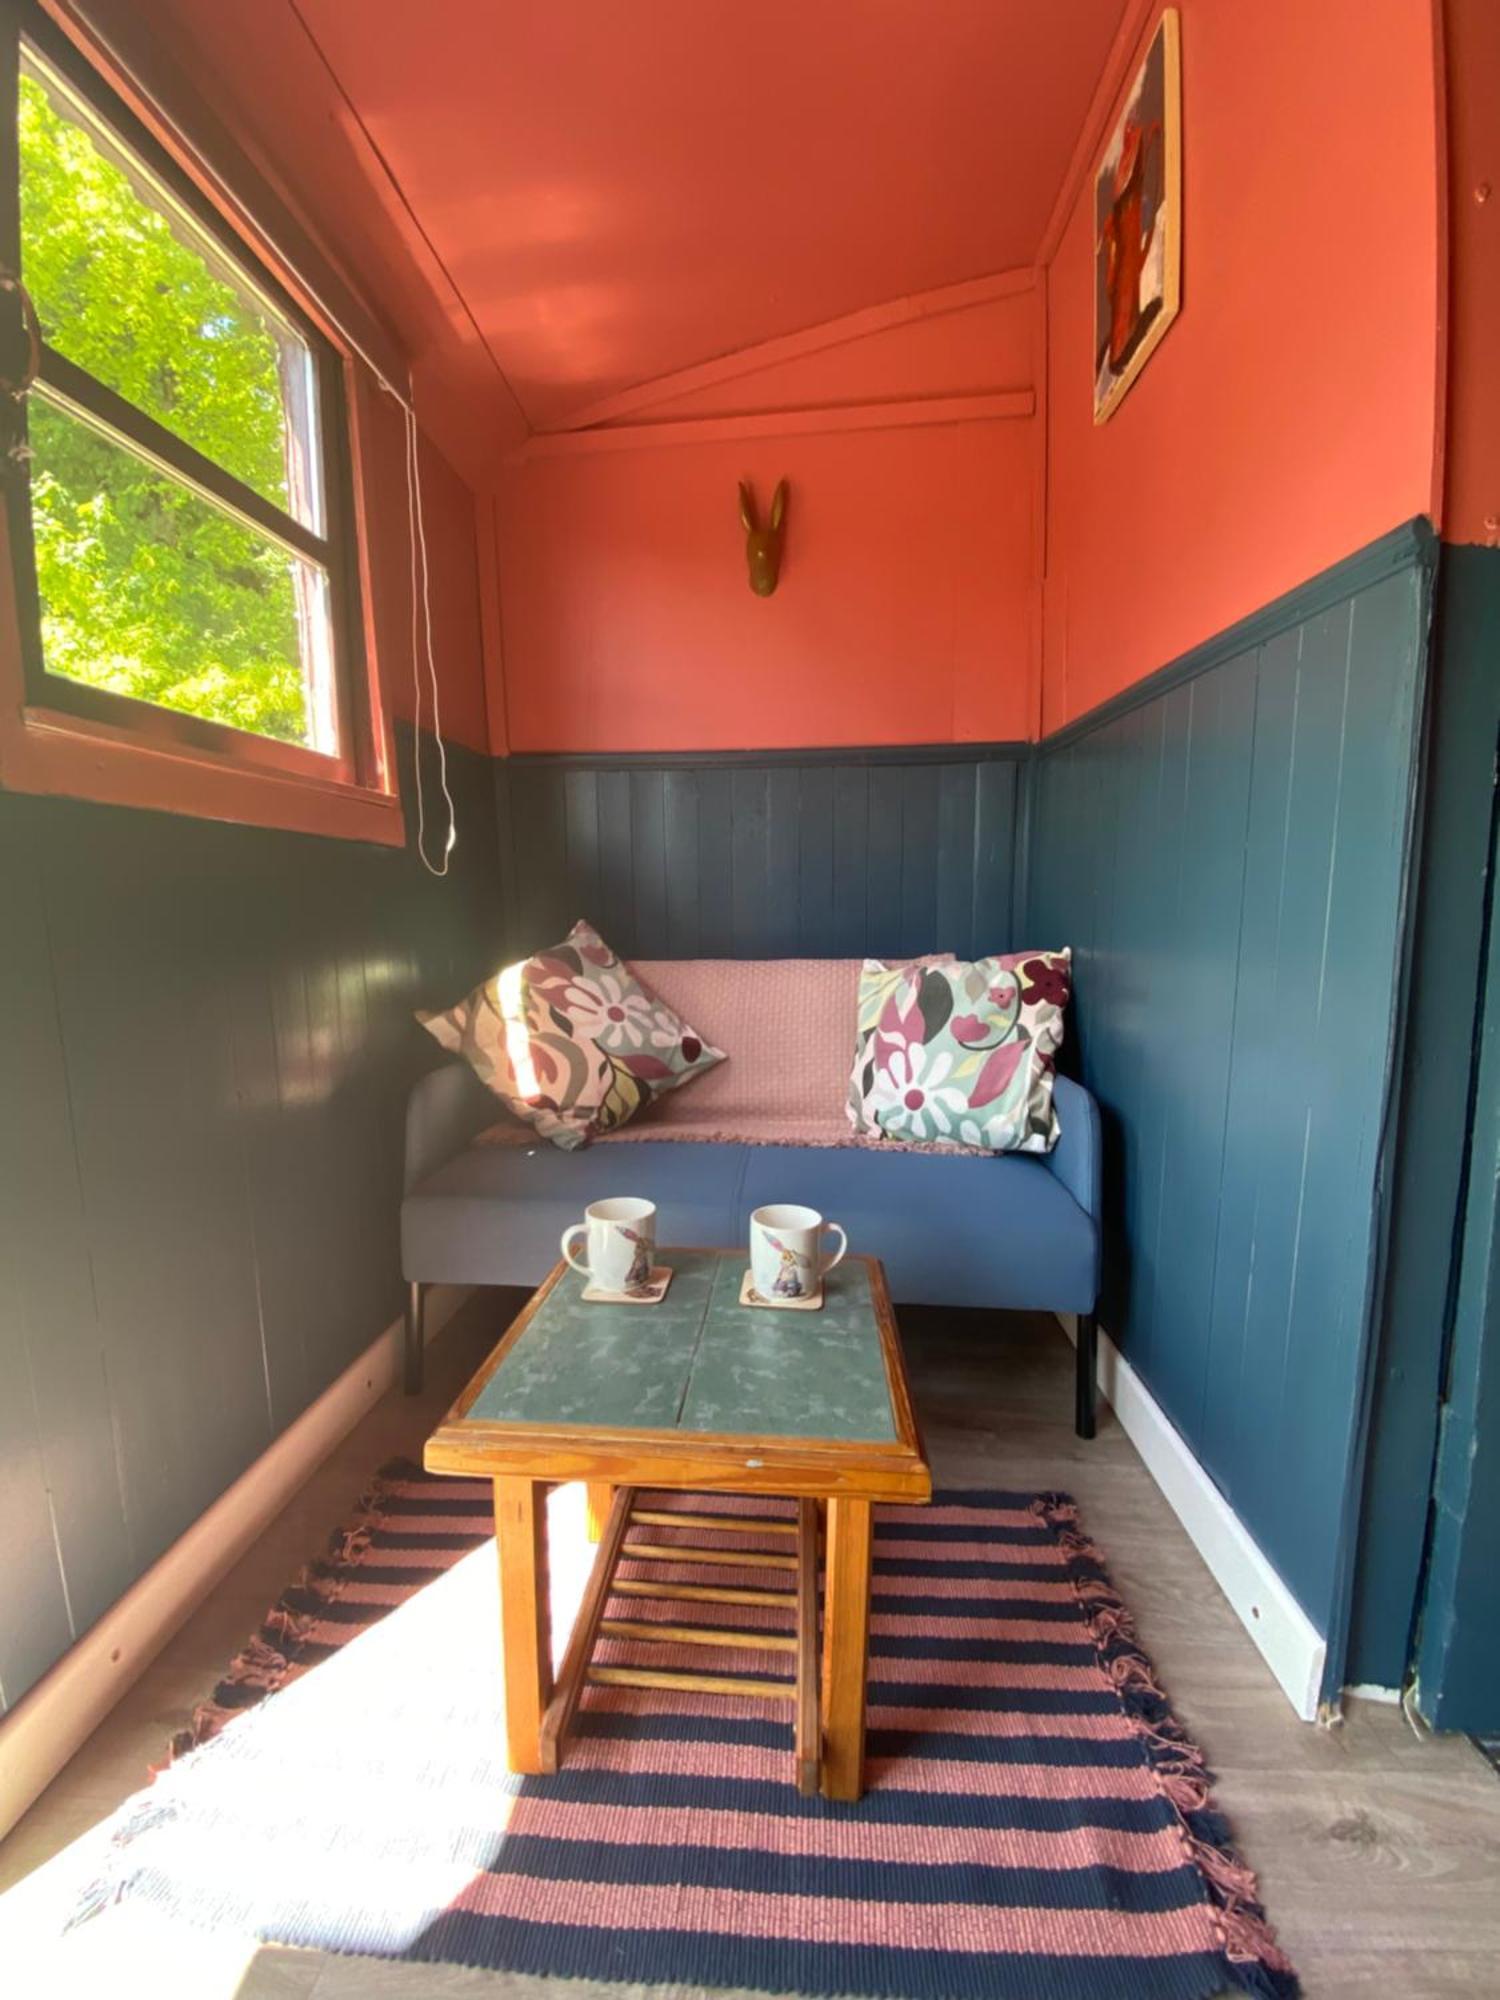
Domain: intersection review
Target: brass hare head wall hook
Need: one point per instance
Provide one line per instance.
(763, 545)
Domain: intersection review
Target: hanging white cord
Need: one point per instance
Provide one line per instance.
(421, 613)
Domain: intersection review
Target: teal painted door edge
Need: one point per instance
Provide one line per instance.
(1426, 1188)
(1457, 1684)
(1395, 1134)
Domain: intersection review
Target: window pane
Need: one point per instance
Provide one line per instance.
(151, 591)
(130, 287)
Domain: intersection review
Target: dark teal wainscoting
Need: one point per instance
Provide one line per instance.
(205, 1047)
(810, 854)
(1226, 850)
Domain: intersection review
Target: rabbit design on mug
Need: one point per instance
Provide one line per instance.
(789, 1283)
(638, 1277)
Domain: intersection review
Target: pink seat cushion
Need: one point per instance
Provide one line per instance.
(787, 1027)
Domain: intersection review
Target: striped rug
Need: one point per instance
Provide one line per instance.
(1036, 1824)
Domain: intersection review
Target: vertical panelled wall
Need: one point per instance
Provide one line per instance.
(800, 855)
(206, 1041)
(1226, 851)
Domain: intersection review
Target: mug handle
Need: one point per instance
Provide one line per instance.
(838, 1255)
(577, 1229)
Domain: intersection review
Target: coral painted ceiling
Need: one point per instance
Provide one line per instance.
(617, 192)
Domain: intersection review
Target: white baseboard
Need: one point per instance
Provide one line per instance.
(56, 1717)
(1286, 1637)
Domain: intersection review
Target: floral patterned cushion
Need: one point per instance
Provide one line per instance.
(571, 1040)
(961, 1054)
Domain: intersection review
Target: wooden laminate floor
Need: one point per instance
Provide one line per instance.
(1378, 1851)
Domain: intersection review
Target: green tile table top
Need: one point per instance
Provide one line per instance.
(700, 1362)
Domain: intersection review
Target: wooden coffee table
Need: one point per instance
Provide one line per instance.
(701, 1393)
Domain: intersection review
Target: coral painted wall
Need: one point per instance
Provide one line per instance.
(905, 608)
(448, 510)
(1290, 414)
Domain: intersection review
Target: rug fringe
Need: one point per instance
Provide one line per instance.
(269, 1659)
(1252, 1956)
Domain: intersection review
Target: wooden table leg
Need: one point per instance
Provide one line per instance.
(573, 1672)
(846, 1642)
(808, 1731)
(525, 1618)
(599, 1501)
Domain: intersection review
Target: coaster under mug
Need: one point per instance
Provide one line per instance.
(811, 1302)
(650, 1294)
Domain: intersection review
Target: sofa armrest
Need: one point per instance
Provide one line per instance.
(1075, 1159)
(447, 1107)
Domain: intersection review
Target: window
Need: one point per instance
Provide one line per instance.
(179, 495)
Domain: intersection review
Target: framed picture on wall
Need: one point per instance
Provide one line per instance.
(1138, 221)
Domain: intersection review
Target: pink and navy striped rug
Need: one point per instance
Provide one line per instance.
(1037, 1825)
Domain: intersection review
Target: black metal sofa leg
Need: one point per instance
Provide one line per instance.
(1088, 1373)
(414, 1353)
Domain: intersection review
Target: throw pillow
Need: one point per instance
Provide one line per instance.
(961, 1054)
(571, 1040)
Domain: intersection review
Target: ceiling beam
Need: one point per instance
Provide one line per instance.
(1005, 405)
(793, 346)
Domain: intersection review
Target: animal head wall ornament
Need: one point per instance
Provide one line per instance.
(763, 545)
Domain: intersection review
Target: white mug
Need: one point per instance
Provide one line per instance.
(786, 1254)
(621, 1242)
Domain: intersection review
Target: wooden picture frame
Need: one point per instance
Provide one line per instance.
(1138, 221)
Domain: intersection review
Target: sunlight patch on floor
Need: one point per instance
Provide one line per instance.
(371, 1834)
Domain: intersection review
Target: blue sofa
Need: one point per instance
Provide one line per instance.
(1018, 1231)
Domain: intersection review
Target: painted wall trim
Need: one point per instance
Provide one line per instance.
(1410, 543)
(53, 1721)
(59, 755)
(814, 756)
(839, 332)
(1284, 1635)
(1003, 406)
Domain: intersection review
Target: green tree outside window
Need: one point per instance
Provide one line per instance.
(147, 589)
